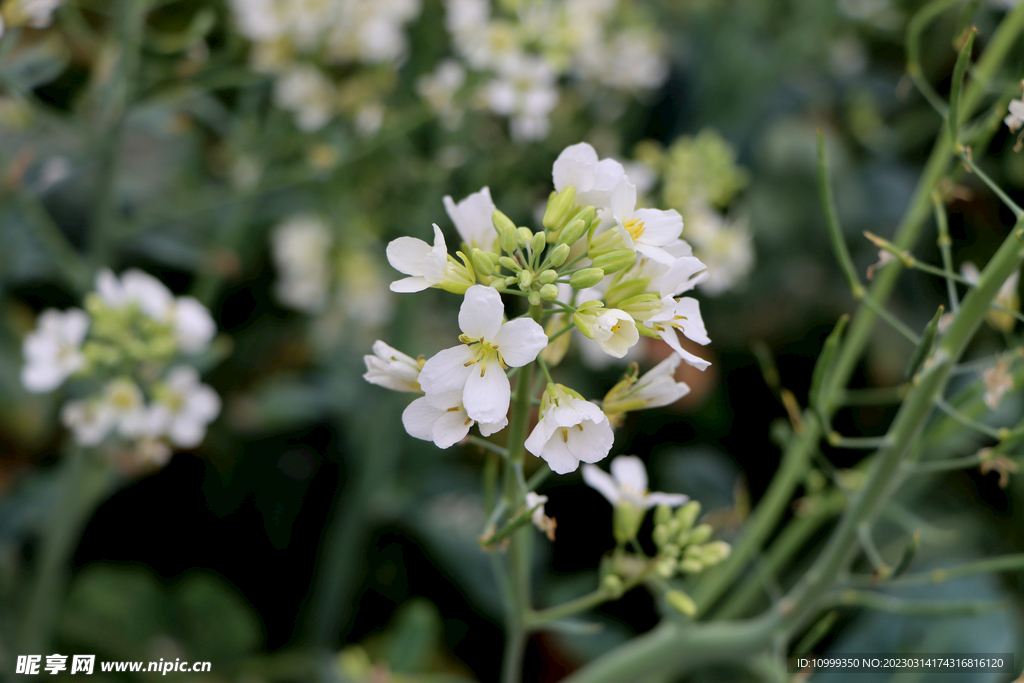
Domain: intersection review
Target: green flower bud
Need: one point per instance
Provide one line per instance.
(662, 514)
(687, 515)
(482, 264)
(546, 277)
(512, 280)
(534, 298)
(714, 552)
(549, 292)
(661, 533)
(681, 602)
(558, 255)
(560, 207)
(588, 216)
(510, 263)
(523, 236)
(499, 284)
(701, 534)
(506, 231)
(671, 550)
(640, 307)
(690, 566)
(538, 243)
(588, 277)
(501, 222)
(572, 232)
(666, 567)
(615, 260)
(612, 584)
(609, 240)
(525, 279)
(626, 521)
(625, 290)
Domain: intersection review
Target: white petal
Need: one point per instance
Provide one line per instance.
(629, 472)
(186, 433)
(472, 218)
(194, 326)
(406, 255)
(572, 411)
(451, 428)
(109, 288)
(488, 428)
(556, 454)
(40, 378)
(593, 442)
(419, 418)
(672, 340)
(538, 438)
(693, 326)
(409, 285)
(671, 499)
(487, 392)
(654, 253)
(577, 166)
(75, 326)
(447, 370)
(680, 276)
(596, 478)
(661, 228)
(519, 341)
(623, 200)
(481, 313)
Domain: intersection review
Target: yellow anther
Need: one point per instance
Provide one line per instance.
(635, 227)
(565, 435)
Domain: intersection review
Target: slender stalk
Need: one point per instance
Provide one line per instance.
(950, 465)
(945, 248)
(1003, 563)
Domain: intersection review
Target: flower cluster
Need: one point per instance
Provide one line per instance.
(300, 43)
(123, 352)
(519, 51)
(32, 13)
(612, 270)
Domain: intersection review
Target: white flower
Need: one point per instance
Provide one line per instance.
(306, 92)
(472, 218)
(656, 388)
(614, 331)
(998, 381)
(683, 315)
(392, 369)
(426, 265)
(594, 180)
(300, 248)
(477, 367)
(121, 406)
(184, 406)
(440, 88)
(646, 231)
(34, 13)
(52, 351)
(539, 519)
(442, 418)
(628, 483)
(525, 90)
(1015, 119)
(571, 430)
(726, 247)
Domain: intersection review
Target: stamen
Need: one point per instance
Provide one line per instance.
(483, 369)
(580, 426)
(565, 435)
(452, 410)
(469, 420)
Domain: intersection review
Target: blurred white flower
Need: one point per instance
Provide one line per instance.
(307, 93)
(726, 247)
(300, 248)
(539, 519)
(628, 483)
(472, 219)
(34, 13)
(477, 366)
(183, 407)
(998, 381)
(571, 430)
(442, 418)
(53, 350)
(524, 90)
(121, 406)
(392, 369)
(440, 88)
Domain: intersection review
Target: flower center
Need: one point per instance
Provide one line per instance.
(635, 228)
(485, 353)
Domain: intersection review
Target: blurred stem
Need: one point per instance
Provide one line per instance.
(84, 481)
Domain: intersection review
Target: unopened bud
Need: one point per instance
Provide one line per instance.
(549, 292)
(559, 254)
(510, 263)
(687, 515)
(523, 236)
(661, 535)
(662, 514)
(587, 215)
(612, 585)
(534, 298)
(588, 277)
(498, 284)
(482, 263)
(572, 233)
(681, 602)
(715, 552)
(546, 277)
(512, 280)
(506, 231)
(701, 534)
(691, 566)
(538, 243)
(671, 550)
(525, 278)
(615, 260)
(667, 567)
(560, 207)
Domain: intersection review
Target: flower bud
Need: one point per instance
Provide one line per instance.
(546, 277)
(572, 232)
(512, 280)
(681, 602)
(588, 277)
(534, 298)
(510, 263)
(612, 584)
(609, 240)
(667, 567)
(482, 264)
(687, 515)
(714, 552)
(525, 279)
(506, 231)
(615, 260)
(641, 307)
(671, 550)
(661, 533)
(626, 521)
(523, 236)
(700, 534)
(558, 255)
(690, 566)
(549, 292)
(538, 243)
(501, 222)
(587, 215)
(560, 207)
(498, 284)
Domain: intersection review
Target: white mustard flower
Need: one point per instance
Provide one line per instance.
(646, 231)
(614, 330)
(442, 418)
(998, 381)
(120, 407)
(308, 94)
(53, 350)
(726, 247)
(184, 406)
(426, 266)
(300, 248)
(524, 90)
(628, 483)
(477, 366)
(440, 88)
(392, 369)
(594, 179)
(656, 388)
(538, 517)
(571, 430)
(683, 315)
(1015, 118)
(472, 219)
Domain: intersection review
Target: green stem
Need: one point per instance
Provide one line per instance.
(1004, 563)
